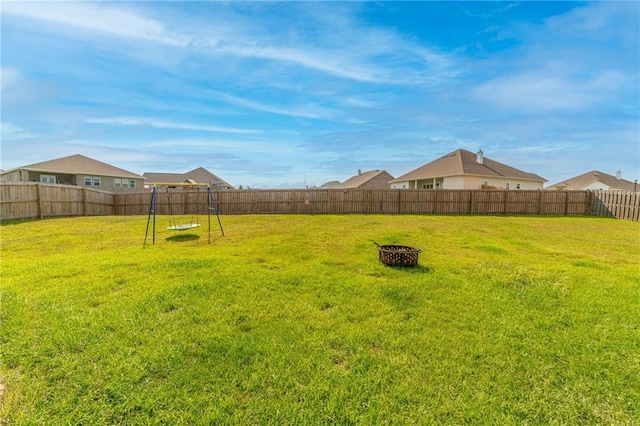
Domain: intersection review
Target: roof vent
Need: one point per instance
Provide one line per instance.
(480, 157)
(619, 174)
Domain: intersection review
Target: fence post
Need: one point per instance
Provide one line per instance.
(506, 201)
(587, 203)
(84, 201)
(39, 201)
(539, 202)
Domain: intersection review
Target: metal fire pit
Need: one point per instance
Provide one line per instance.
(395, 255)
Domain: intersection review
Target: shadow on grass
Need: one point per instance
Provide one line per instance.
(183, 237)
(418, 269)
(7, 222)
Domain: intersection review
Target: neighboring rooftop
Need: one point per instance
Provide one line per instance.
(463, 162)
(592, 179)
(334, 184)
(362, 178)
(199, 175)
(78, 164)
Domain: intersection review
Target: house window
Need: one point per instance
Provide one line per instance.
(91, 181)
(124, 183)
(507, 185)
(47, 179)
(427, 186)
(485, 182)
(517, 186)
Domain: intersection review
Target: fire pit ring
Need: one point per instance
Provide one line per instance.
(396, 255)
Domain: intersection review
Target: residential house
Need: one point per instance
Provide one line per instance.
(199, 176)
(595, 180)
(77, 170)
(462, 169)
(373, 179)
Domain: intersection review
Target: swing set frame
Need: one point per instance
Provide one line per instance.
(211, 206)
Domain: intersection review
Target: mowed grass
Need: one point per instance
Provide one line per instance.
(292, 320)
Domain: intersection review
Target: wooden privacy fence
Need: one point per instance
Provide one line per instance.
(27, 200)
(37, 200)
(338, 201)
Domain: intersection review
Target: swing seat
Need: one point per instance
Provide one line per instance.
(183, 227)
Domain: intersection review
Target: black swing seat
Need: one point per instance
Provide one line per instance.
(183, 227)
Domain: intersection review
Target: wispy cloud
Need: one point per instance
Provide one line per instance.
(11, 132)
(305, 111)
(96, 17)
(163, 124)
(310, 57)
(357, 60)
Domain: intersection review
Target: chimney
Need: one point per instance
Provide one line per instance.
(479, 157)
(359, 172)
(619, 174)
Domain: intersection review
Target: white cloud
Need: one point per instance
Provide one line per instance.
(95, 17)
(163, 124)
(12, 132)
(9, 76)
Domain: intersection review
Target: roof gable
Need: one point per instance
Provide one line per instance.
(361, 178)
(463, 162)
(203, 175)
(79, 164)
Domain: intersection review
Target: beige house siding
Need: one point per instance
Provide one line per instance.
(596, 186)
(108, 183)
(468, 182)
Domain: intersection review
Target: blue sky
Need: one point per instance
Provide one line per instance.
(287, 94)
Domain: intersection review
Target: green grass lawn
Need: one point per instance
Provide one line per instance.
(292, 320)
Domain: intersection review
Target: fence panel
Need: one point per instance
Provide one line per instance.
(26, 200)
(19, 201)
(624, 205)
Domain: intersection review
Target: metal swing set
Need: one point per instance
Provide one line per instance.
(173, 225)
